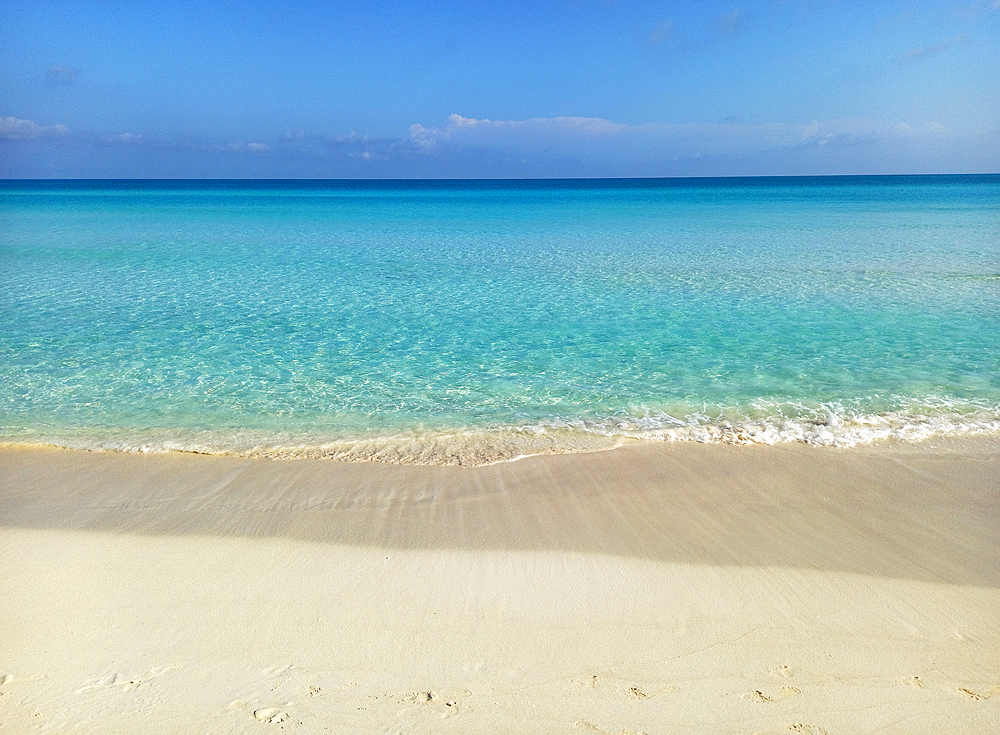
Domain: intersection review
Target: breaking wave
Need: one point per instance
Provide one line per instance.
(829, 425)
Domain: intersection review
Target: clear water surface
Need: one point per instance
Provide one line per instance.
(475, 321)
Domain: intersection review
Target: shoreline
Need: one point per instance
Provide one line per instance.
(496, 444)
(650, 588)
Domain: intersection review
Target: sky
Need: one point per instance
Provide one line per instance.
(507, 89)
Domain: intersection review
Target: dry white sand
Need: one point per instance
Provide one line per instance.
(649, 589)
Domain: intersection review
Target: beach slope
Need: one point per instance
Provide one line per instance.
(648, 589)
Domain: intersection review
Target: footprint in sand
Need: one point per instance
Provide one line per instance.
(102, 683)
(112, 681)
(784, 671)
(759, 696)
(450, 709)
(270, 715)
(584, 725)
(640, 694)
(977, 695)
(913, 681)
(807, 729)
(421, 697)
(447, 708)
(315, 690)
(11, 679)
(631, 691)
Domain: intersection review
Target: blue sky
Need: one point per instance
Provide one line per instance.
(497, 89)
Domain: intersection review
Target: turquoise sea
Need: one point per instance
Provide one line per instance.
(476, 321)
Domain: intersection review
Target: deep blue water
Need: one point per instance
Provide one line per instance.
(469, 321)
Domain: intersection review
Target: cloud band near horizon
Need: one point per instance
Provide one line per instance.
(536, 147)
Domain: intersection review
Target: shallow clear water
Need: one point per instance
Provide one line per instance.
(455, 321)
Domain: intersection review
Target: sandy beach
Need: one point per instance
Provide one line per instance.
(649, 589)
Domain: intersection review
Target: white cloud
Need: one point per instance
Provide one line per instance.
(122, 139)
(353, 138)
(12, 128)
(470, 130)
(247, 147)
(423, 138)
(597, 144)
(472, 147)
(843, 131)
(576, 133)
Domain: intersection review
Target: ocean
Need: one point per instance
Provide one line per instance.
(469, 322)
